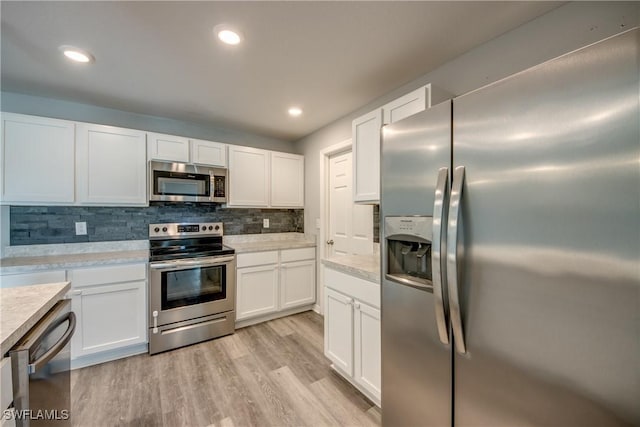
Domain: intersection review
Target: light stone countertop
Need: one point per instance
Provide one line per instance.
(268, 242)
(23, 307)
(51, 262)
(364, 266)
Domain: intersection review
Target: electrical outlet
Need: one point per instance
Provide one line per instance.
(81, 228)
(265, 223)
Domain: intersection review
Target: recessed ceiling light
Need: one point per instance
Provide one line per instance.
(295, 111)
(76, 54)
(228, 35)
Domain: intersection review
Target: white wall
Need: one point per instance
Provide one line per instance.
(562, 30)
(68, 110)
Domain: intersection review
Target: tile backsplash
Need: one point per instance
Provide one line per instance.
(33, 225)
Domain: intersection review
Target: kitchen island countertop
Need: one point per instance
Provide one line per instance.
(23, 307)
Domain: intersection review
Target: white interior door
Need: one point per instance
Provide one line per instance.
(350, 225)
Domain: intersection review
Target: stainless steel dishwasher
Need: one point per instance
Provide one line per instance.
(40, 364)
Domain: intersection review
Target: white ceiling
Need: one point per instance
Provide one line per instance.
(161, 58)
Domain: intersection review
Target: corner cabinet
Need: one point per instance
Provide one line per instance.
(352, 338)
(367, 138)
(37, 160)
(266, 179)
(273, 284)
(110, 303)
(111, 165)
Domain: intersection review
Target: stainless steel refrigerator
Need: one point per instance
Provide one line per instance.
(511, 250)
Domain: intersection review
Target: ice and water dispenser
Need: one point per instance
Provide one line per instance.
(408, 240)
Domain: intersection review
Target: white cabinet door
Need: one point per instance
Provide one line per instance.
(208, 153)
(248, 177)
(297, 283)
(38, 160)
(111, 165)
(257, 291)
(338, 330)
(367, 347)
(109, 317)
(366, 157)
(168, 147)
(407, 105)
(287, 180)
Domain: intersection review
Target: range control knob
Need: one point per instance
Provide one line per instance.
(217, 227)
(164, 229)
(204, 228)
(210, 227)
(157, 229)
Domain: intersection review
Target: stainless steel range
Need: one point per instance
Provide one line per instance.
(192, 285)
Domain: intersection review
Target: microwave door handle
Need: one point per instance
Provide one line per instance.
(438, 273)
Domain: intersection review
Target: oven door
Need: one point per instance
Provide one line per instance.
(190, 288)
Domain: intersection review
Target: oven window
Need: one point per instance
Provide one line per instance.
(193, 286)
(181, 184)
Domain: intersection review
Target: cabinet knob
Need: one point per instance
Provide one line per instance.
(330, 242)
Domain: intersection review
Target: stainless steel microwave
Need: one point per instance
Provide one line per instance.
(185, 182)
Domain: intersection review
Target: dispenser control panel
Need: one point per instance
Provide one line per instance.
(418, 226)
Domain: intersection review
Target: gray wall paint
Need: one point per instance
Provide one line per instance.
(31, 225)
(75, 111)
(560, 31)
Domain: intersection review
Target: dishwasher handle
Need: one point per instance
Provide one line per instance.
(36, 365)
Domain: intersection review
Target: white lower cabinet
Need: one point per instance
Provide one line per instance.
(274, 283)
(110, 304)
(352, 330)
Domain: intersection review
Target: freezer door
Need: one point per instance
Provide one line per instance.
(549, 247)
(416, 365)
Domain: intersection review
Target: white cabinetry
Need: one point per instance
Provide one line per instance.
(262, 178)
(111, 165)
(168, 147)
(110, 304)
(249, 172)
(352, 330)
(257, 284)
(208, 153)
(274, 283)
(287, 180)
(366, 139)
(37, 160)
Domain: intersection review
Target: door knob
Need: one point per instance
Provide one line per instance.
(330, 242)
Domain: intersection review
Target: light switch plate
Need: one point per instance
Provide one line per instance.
(265, 223)
(81, 228)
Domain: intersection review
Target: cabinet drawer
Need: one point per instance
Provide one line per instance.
(36, 278)
(110, 274)
(256, 258)
(365, 291)
(6, 386)
(297, 254)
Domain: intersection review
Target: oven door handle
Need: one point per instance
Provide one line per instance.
(206, 263)
(161, 265)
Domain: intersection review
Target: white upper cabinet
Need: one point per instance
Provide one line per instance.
(262, 178)
(287, 180)
(173, 148)
(168, 147)
(208, 153)
(249, 172)
(406, 105)
(366, 156)
(111, 165)
(366, 138)
(37, 160)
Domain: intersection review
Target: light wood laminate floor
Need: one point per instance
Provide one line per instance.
(271, 374)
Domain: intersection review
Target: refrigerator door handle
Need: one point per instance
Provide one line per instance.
(452, 258)
(439, 205)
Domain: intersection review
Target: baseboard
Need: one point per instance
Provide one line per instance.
(255, 320)
(108, 356)
(316, 308)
